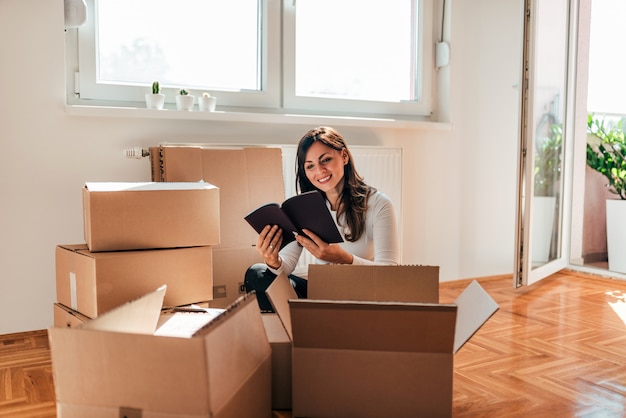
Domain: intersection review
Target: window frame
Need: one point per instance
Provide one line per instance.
(277, 67)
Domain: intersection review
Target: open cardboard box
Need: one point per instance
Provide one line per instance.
(130, 216)
(115, 365)
(372, 358)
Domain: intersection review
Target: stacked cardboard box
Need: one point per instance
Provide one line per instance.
(247, 177)
(139, 236)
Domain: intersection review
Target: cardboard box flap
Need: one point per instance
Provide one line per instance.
(475, 307)
(139, 316)
(373, 326)
(236, 337)
(407, 283)
(279, 293)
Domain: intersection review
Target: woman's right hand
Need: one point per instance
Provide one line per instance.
(268, 244)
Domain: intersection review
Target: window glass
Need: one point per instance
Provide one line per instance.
(356, 49)
(191, 43)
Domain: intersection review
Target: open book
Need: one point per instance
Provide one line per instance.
(304, 211)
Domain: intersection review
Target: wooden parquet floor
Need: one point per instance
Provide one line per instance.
(553, 349)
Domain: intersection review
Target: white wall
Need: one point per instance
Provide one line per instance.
(459, 185)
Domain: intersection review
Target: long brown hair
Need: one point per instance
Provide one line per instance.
(353, 200)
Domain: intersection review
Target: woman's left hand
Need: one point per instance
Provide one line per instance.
(321, 250)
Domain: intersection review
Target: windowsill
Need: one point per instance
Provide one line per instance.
(254, 117)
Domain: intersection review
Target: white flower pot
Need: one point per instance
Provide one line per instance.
(184, 102)
(155, 101)
(207, 104)
(616, 234)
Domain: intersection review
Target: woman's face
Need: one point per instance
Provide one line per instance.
(324, 167)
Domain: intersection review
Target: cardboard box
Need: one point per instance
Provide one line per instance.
(374, 283)
(115, 366)
(247, 178)
(95, 282)
(67, 317)
(129, 216)
(373, 359)
(229, 267)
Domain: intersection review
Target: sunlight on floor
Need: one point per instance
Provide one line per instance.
(619, 306)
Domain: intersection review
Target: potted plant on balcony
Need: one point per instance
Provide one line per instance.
(184, 100)
(155, 100)
(547, 180)
(606, 154)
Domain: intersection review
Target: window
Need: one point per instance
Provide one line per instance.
(336, 57)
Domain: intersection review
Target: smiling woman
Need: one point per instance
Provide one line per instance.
(364, 216)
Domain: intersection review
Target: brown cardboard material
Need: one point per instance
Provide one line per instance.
(372, 358)
(281, 361)
(229, 267)
(375, 283)
(67, 317)
(247, 178)
(95, 282)
(129, 216)
(221, 371)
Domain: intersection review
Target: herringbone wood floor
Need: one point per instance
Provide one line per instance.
(554, 349)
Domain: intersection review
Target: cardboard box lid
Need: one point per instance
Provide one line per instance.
(407, 283)
(95, 187)
(426, 327)
(223, 370)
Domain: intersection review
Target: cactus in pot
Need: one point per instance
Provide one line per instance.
(184, 100)
(155, 100)
(206, 102)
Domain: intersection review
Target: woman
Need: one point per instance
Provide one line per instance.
(365, 217)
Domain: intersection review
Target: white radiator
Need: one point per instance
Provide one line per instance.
(381, 167)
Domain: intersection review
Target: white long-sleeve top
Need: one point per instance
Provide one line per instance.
(377, 245)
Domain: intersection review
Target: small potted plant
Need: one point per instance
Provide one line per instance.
(184, 101)
(155, 100)
(206, 103)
